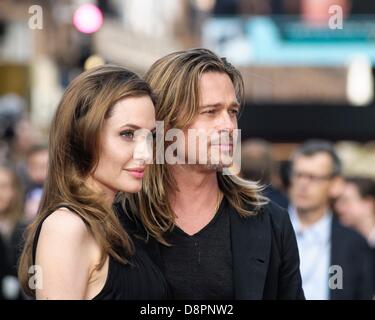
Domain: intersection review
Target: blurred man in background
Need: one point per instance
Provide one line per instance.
(322, 241)
(36, 167)
(356, 208)
(258, 165)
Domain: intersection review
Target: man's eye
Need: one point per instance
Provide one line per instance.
(151, 136)
(234, 111)
(209, 111)
(128, 134)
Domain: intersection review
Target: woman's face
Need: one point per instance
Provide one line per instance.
(7, 191)
(126, 146)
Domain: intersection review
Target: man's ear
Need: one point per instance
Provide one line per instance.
(337, 187)
(369, 202)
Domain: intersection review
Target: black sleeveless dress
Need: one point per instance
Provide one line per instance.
(140, 279)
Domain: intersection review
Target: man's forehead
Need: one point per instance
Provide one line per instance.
(316, 160)
(213, 81)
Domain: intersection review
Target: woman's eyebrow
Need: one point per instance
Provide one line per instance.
(136, 127)
(132, 126)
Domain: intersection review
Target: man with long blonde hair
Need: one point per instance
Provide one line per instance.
(218, 237)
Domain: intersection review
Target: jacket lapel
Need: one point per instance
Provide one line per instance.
(251, 244)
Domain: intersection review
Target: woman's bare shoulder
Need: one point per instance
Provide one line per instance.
(64, 222)
(66, 254)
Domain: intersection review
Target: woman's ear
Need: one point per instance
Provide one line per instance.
(369, 204)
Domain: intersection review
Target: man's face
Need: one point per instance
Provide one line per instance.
(216, 120)
(311, 181)
(37, 166)
(351, 207)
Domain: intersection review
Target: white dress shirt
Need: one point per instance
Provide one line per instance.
(314, 245)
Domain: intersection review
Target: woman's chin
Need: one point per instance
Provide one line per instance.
(132, 188)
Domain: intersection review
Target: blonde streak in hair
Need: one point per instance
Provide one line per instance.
(156, 193)
(241, 193)
(167, 91)
(171, 102)
(155, 214)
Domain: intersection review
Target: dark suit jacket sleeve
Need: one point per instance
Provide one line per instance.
(365, 275)
(290, 283)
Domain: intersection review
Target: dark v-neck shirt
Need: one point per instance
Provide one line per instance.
(200, 266)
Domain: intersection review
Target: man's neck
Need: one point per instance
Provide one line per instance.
(197, 198)
(309, 217)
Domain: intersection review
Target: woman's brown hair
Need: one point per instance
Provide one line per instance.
(74, 148)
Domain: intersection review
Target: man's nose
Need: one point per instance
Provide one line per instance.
(301, 182)
(226, 121)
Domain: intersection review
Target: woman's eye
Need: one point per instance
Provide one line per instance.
(128, 134)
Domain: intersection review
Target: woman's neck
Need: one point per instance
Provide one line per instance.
(108, 195)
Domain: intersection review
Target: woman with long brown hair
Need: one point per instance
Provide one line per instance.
(76, 247)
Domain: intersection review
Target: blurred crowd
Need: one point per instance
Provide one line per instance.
(23, 169)
(333, 215)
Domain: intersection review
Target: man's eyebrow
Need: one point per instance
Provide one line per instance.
(219, 104)
(235, 104)
(212, 105)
